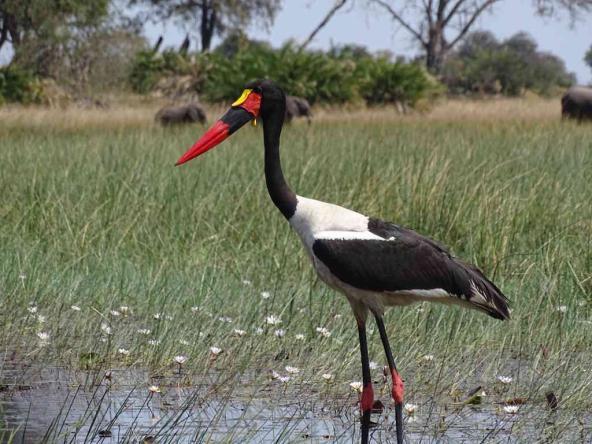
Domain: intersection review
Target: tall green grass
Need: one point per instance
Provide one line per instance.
(101, 219)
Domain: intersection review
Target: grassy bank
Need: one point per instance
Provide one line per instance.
(95, 216)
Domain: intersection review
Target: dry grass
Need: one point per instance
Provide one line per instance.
(140, 113)
(457, 110)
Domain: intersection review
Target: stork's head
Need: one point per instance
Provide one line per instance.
(259, 99)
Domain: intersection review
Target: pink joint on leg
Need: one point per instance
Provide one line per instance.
(398, 388)
(367, 398)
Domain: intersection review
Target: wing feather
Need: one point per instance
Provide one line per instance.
(399, 259)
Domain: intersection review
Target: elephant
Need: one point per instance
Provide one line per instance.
(172, 115)
(576, 103)
(297, 107)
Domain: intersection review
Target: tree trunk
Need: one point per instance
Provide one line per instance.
(208, 24)
(3, 36)
(435, 48)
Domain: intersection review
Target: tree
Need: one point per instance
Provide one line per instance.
(213, 16)
(433, 19)
(430, 22)
(77, 43)
(439, 25)
(483, 65)
(21, 20)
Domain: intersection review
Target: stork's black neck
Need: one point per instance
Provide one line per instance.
(279, 191)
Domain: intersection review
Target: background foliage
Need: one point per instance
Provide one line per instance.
(76, 50)
(484, 65)
(337, 76)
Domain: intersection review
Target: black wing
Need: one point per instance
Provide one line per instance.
(406, 260)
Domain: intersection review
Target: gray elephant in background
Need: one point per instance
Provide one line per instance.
(172, 115)
(297, 107)
(576, 103)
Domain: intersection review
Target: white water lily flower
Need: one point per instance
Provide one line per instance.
(124, 310)
(356, 386)
(327, 377)
(41, 319)
(504, 379)
(32, 309)
(280, 333)
(75, 308)
(115, 313)
(427, 358)
(258, 331)
(323, 332)
(511, 409)
(215, 350)
(194, 309)
(284, 379)
(561, 308)
(158, 316)
(153, 342)
(373, 365)
(105, 328)
(144, 331)
(238, 332)
(273, 320)
(410, 408)
(300, 337)
(154, 389)
(123, 351)
(265, 295)
(293, 370)
(44, 336)
(180, 359)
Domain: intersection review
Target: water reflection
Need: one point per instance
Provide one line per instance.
(57, 405)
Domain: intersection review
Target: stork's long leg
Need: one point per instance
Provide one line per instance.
(367, 392)
(397, 390)
(361, 313)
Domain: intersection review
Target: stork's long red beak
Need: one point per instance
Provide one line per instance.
(245, 109)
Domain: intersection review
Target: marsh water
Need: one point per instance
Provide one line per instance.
(52, 404)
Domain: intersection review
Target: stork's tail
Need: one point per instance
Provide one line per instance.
(485, 296)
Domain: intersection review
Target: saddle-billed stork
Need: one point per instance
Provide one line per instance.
(374, 263)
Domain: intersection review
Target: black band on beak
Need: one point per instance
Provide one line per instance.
(235, 118)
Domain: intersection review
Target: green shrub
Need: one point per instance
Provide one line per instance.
(17, 85)
(384, 82)
(333, 77)
(146, 70)
(312, 75)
